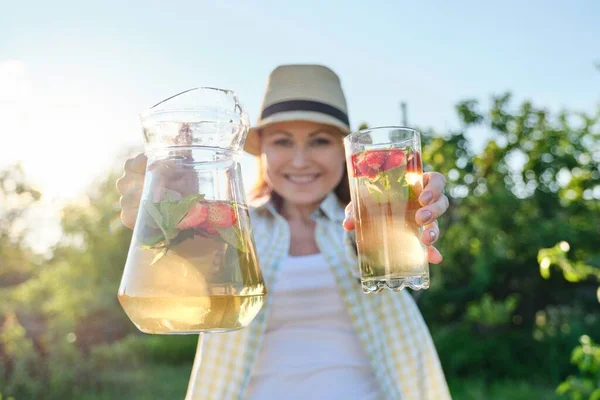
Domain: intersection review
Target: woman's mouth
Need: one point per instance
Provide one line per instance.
(301, 179)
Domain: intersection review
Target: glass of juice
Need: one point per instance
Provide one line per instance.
(386, 179)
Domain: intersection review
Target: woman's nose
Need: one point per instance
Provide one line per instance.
(300, 158)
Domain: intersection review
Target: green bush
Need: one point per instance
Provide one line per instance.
(473, 389)
(138, 349)
(585, 385)
(21, 361)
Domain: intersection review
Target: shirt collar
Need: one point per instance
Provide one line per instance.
(330, 207)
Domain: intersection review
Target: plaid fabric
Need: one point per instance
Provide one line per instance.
(389, 324)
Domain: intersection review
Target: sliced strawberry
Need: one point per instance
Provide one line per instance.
(395, 159)
(359, 166)
(375, 159)
(372, 174)
(207, 227)
(194, 217)
(365, 170)
(356, 160)
(221, 215)
(414, 163)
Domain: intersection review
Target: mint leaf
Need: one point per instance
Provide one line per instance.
(388, 186)
(149, 220)
(182, 236)
(154, 213)
(232, 261)
(232, 237)
(159, 255)
(152, 241)
(373, 187)
(173, 211)
(166, 215)
(157, 217)
(378, 194)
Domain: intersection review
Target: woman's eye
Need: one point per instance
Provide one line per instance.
(321, 142)
(283, 142)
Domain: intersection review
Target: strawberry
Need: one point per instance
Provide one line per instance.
(395, 159)
(207, 227)
(364, 169)
(356, 160)
(375, 159)
(359, 165)
(368, 163)
(194, 217)
(221, 215)
(414, 163)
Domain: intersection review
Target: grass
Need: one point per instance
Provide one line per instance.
(502, 390)
(170, 382)
(152, 382)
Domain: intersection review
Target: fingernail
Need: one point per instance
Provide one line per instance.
(424, 216)
(432, 236)
(426, 197)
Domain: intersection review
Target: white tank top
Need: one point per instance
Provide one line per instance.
(310, 349)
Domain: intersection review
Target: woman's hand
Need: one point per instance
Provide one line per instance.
(434, 203)
(130, 187)
(170, 176)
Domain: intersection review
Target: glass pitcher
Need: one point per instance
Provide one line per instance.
(192, 264)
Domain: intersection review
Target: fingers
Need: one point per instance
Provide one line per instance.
(434, 256)
(433, 189)
(434, 203)
(173, 175)
(431, 233)
(129, 182)
(349, 218)
(130, 187)
(430, 213)
(137, 165)
(128, 217)
(131, 198)
(130, 203)
(133, 174)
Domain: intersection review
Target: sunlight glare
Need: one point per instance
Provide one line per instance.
(413, 177)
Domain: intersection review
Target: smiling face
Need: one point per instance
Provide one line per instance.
(304, 160)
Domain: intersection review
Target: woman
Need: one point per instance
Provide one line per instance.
(319, 336)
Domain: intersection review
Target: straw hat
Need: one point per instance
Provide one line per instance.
(301, 92)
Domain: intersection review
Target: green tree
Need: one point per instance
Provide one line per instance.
(16, 198)
(63, 331)
(57, 309)
(17, 353)
(586, 356)
(535, 183)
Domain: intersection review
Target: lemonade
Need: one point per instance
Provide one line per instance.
(192, 268)
(385, 185)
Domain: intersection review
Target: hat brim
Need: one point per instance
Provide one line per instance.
(252, 144)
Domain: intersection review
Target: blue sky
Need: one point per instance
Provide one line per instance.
(74, 75)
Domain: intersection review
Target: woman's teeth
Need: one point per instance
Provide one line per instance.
(301, 178)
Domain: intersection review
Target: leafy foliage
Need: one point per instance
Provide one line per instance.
(535, 182)
(586, 385)
(61, 322)
(586, 356)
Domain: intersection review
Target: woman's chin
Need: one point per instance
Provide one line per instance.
(300, 198)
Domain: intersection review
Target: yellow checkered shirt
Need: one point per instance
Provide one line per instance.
(389, 324)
